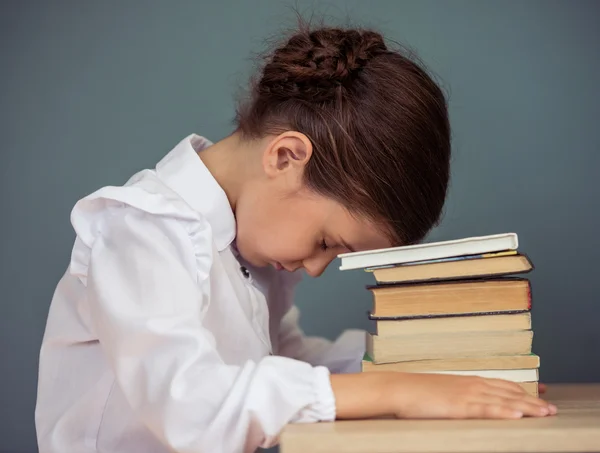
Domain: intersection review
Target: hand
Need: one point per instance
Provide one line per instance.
(451, 396)
(423, 395)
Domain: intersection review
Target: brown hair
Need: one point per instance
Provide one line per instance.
(377, 121)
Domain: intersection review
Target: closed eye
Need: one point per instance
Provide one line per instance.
(323, 245)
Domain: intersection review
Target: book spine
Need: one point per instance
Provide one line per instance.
(445, 315)
(472, 278)
(461, 281)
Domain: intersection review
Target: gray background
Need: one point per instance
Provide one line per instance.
(91, 92)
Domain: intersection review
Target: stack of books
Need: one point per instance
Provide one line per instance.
(452, 307)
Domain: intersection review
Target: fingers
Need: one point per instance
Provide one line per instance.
(509, 394)
(512, 398)
(493, 411)
(528, 405)
(506, 409)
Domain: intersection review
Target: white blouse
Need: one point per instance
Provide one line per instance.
(160, 338)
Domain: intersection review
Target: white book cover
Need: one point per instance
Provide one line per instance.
(527, 375)
(476, 245)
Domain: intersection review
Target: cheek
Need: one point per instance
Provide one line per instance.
(291, 248)
(274, 229)
(297, 229)
(286, 239)
(265, 233)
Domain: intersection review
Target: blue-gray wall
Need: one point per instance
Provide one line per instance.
(90, 92)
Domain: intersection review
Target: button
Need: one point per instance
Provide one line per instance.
(245, 272)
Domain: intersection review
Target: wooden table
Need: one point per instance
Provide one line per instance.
(576, 428)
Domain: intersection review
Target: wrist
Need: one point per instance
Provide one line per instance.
(363, 395)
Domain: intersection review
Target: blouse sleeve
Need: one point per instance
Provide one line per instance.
(344, 355)
(148, 287)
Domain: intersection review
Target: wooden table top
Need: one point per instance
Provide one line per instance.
(576, 428)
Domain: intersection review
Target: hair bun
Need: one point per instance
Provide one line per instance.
(312, 63)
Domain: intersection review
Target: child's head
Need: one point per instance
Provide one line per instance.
(354, 142)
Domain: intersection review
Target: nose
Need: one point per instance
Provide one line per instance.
(293, 267)
(315, 267)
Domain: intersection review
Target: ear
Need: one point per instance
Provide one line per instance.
(288, 153)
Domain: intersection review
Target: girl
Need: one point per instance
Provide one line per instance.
(174, 329)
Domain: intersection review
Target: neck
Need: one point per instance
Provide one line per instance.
(229, 161)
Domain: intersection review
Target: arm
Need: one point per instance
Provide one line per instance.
(147, 300)
(426, 396)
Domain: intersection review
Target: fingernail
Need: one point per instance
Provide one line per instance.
(553, 409)
(518, 414)
(544, 410)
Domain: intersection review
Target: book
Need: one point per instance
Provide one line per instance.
(455, 307)
(481, 266)
(499, 362)
(439, 324)
(456, 297)
(428, 251)
(448, 345)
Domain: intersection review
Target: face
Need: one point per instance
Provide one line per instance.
(283, 224)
